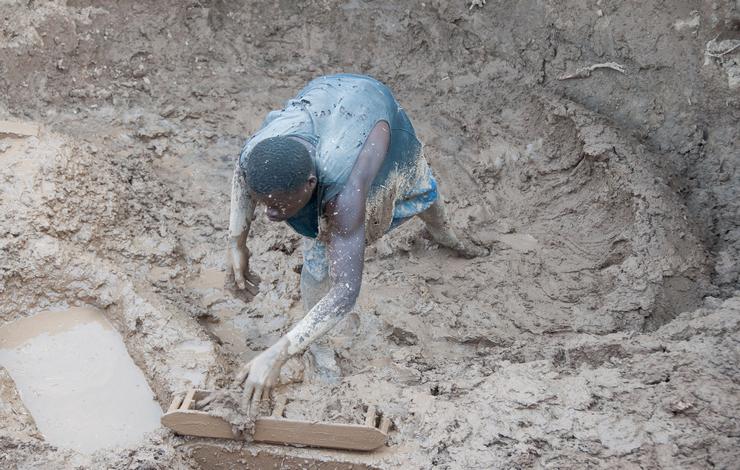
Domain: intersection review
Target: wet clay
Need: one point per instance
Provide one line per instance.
(601, 331)
(209, 279)
(228, 404)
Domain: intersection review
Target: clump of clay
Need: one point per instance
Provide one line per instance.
(227, 404)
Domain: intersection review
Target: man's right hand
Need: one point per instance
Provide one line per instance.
(239, 257)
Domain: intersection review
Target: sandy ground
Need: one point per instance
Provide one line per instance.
(602, 331)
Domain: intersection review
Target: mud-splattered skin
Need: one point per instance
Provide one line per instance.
(345, 233)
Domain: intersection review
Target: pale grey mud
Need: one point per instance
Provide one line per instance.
(74, 375)
(601, 332)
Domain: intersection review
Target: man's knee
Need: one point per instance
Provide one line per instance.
(312, 288)
(315, 273)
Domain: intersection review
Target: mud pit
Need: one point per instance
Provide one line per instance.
(602, 331)
(75, 377)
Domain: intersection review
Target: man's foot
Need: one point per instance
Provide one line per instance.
(448, 239)
(440, 229)
(469, 250)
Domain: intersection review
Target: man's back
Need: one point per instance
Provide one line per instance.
(336, 114)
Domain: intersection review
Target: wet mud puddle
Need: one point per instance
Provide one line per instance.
(76, 378)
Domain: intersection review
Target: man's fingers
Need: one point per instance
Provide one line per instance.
(238, 264)
(256, 398)
(252, 284)
(243, 373)
(266, 393)
(209, 398)
(238, 276)
(247, 396)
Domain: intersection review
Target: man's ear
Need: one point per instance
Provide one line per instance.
(313, 181)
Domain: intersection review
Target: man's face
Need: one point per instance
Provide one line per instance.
(280, 206)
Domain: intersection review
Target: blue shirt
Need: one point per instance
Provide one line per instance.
(336, 114)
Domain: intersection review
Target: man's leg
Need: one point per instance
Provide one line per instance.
(440, 228)
(312, 290)
(423, 199)
(315, 284)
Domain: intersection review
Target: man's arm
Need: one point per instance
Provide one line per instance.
(346, 247)
(240, 219)
(346, 217)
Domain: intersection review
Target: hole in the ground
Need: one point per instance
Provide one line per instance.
(75, 377)
(678, 294)
(213, 457)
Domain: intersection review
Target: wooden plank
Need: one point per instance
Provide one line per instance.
(279, 431)
(176, 401)
(280, 404)
(188, 400)
(20, 129)
(328, 435)
(370, 418)
(385, 425)
(197, 423)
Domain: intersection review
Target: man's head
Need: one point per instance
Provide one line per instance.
(281, 175)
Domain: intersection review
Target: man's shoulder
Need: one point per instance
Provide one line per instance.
(347, 88)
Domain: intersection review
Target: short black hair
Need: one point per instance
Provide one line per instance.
(276, 164)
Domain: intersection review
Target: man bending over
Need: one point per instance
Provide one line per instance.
(342, 166)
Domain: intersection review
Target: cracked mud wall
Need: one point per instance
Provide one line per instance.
(682, 107)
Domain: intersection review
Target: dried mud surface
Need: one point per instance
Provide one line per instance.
(603, 329)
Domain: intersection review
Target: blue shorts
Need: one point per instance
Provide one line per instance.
(413, 202)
